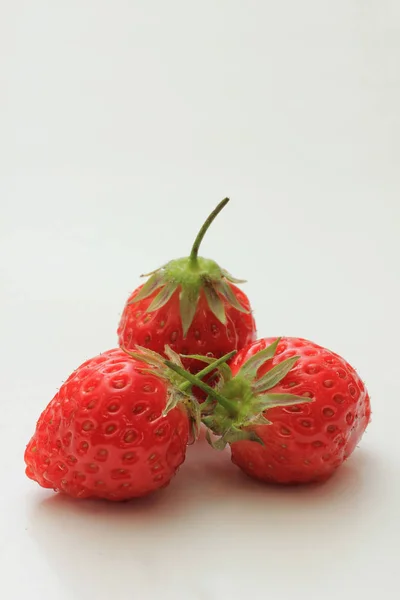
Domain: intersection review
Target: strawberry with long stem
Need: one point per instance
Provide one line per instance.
(190, 304)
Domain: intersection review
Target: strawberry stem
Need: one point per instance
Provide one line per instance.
(208, 369)
(227, 404)
(195, 248)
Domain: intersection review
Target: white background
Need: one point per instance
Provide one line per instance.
(122, 124)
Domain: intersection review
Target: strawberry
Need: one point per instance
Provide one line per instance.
(192, 305)
(116, 429)
(291, 410)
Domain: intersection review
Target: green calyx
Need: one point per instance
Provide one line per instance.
(239, 404)
(191, 276)
(179, 388)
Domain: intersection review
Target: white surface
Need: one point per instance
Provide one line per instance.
(122, 124)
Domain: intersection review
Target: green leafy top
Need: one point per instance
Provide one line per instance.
(190, 276)
(239, 403)
(179, 388)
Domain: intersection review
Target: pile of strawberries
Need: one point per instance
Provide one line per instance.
(118, 428)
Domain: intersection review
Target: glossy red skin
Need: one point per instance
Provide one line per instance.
(103, 436)
(206, 335)
(306, 442)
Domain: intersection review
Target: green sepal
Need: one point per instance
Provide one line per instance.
(275, 375)
(194, 411)
(250, 368)
(208, 418)
(174, 399)
(172, 355)
(156, 281)
(230, 277)
(162, 297)
(146, 355)
(257, 420)
(214, 302)
(152, 272)
(188, 300)
(227, 292)
(157, 373)
(207, 409)
(268, 401)
(231, 436)
(234, 434)
(216, 443)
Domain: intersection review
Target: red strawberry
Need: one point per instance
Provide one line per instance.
(299, 443)
(104, 433)
(190, 304)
